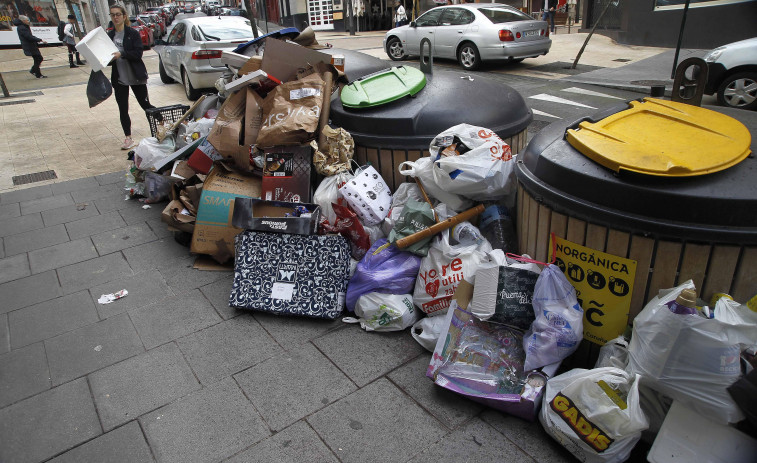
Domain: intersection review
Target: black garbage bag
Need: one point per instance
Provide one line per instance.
(98, 88)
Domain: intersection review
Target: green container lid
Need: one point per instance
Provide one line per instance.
(383, 87)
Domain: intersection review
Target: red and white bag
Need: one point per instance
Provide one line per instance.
(442, 270)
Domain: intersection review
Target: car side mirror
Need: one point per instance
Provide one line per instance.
(412, 24)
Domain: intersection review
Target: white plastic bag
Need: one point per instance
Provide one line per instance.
(613, 354)
(384, 312)
(368, 195)
(483, 169)
(403, 193)
(422, 170)
(151, 154)
(558, 327)
(690, 358)
(442, 270)
(594, 414)
(426, 331)
(200, 127)
(328, 193)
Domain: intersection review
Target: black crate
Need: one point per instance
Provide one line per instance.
(170, 114)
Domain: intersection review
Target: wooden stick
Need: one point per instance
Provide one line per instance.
(439, 227)
(181, 119)
(425, 197)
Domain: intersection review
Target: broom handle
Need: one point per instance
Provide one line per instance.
(439, 227)
(425, 197)
(186, 114)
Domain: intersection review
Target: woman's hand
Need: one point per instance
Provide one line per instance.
(116, 55)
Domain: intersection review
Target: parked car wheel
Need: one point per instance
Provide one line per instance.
(468, 57)
(190, 91)
(395, 50)
(163, 76)
(739, 91)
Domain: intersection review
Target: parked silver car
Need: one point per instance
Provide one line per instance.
(471, 34)
(733, 74)
(192, 53)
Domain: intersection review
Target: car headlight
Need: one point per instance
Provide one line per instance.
(713, 56)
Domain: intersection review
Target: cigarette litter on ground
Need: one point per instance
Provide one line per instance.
(108, 298)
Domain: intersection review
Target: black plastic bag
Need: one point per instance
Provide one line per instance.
(98, 88)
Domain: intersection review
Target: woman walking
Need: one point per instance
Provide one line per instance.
(70, 40)
(29, 44)
(128, 69)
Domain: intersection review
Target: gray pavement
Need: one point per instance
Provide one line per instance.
(170, 373)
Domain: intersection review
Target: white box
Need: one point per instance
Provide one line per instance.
(247, 79)
(97, 49)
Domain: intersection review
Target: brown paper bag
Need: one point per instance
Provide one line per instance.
(291, 112)
(227, 135)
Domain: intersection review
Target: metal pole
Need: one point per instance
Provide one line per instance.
(6, 94)
(680, 38)
(253, 22)
(586, 42)
(351, 17)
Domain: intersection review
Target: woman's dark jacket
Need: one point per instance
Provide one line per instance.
(28, 41)
(132, 53)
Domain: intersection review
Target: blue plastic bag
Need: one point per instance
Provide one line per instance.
(383, 269)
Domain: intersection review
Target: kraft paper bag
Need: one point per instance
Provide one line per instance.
(291, 112)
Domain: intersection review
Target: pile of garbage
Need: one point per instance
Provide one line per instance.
(263, 183)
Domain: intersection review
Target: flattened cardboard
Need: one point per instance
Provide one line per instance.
(181, 170)
(464, 294)
(227, 134)
(173, 217)
(214, 233)
(282, 59)
(270, 216)
(253, 64)
(286, 176)
(208, 264)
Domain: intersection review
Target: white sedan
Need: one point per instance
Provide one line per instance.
(472, 33)
(192, 53)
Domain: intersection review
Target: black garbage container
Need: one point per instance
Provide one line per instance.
(356, 64)
(701, 227)
(402, 130)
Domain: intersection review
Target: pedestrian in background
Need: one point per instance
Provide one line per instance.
(29, 43)
(400, 17)
(70, 40)
(128, 69)
(549, 13)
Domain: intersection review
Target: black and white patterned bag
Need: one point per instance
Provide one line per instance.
(291, 274)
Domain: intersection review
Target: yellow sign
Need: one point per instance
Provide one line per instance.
(604, 284)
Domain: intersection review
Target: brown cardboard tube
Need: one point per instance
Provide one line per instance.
(328, 80)
(439, 227)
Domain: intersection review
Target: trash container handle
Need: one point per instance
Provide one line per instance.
(427, 62)
(596, 117)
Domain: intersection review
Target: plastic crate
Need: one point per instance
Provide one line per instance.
(170, 114)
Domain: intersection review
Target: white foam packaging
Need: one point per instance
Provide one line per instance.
(97, 48)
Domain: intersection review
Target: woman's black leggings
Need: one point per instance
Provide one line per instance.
(122, 98)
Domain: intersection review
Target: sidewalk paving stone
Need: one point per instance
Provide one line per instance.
(45, 204)
(291, 332)
(61, 255)
(115, 202)
(159, 228)
(227, 348)
(490, 446)
(35, 239)
(69, 419)
(446, 406)
(51, 318)
(529, 436)
(173, 318)
(126, 390)
(13, 268)
(94, 225)
(27, 194)
(21, 224)
(291, 386)
(124, 444)
(74, 185)
(374, 354)
(28, 291)
(93, 272)
(114, 177)
(92, 347)
(161, 254)
(366, 425)
(137, 215)
(183, 277)
(218, 295)
(23, 373)
(208, 425)
(296, 444)
(144, 288)
(71, 213)
(98, 192)
(8, 211)
(122, 238)
(5, 339)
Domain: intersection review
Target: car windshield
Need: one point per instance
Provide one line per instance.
(504, 15)
(225, 30)
(146, 19)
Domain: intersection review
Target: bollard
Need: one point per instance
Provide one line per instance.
(658, 91)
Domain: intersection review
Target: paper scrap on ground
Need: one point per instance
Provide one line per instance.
(146, 206)
(108, 298)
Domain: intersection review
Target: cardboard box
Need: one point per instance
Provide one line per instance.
(282, 59)
(214, 233)
(254, 79)
(97, 48)
(237, 126)
(286, 176)
(201, 161)
(253, 64)
(178, 217)
(271, 216)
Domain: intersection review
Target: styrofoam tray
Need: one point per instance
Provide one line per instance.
(97, 49)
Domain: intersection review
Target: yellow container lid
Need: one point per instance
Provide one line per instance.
(663, 138)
